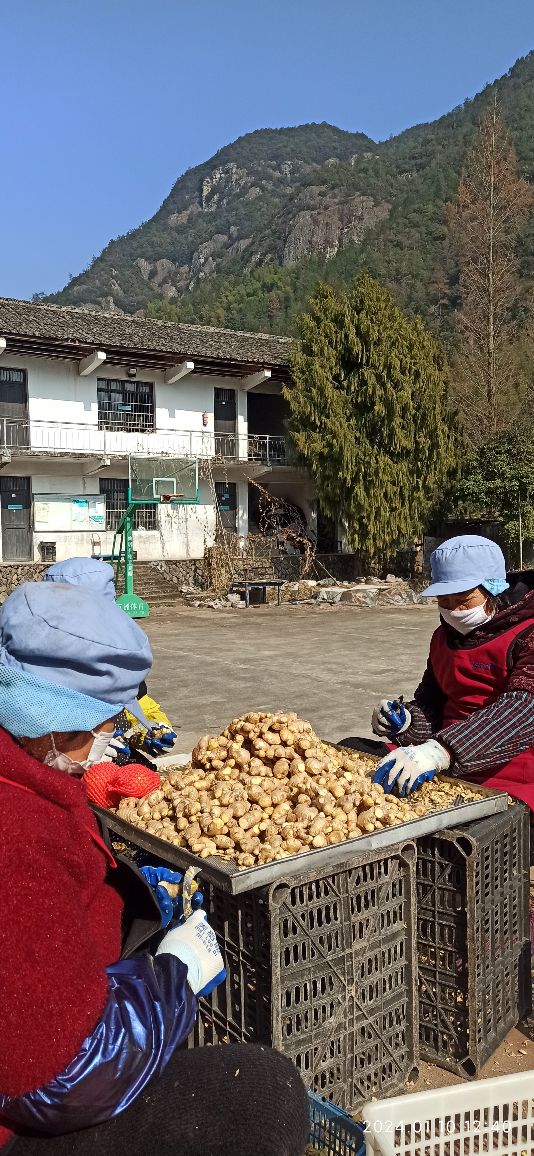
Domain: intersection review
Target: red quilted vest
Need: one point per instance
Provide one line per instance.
(59, 920)
(473, 679)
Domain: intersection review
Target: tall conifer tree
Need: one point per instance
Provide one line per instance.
(369, 415)
(491, 209)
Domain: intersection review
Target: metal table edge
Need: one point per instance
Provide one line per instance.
(331, 856)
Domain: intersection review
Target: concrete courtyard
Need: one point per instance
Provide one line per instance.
(331, 664)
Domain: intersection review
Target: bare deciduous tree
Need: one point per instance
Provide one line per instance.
(492, 206)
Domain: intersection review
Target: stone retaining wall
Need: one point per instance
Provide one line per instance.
(186, 572)
(15, 573)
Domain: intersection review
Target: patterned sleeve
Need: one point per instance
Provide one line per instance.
(489, 738)
(521, 676)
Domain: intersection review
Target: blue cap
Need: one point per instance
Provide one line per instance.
(97, 576)
(465, 562)
(69, 659)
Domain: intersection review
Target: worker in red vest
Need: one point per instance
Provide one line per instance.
(96, 993)
(472, 714)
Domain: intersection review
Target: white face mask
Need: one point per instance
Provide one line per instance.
(62, 762)
(466, 620)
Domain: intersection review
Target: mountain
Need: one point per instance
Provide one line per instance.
(242, 238)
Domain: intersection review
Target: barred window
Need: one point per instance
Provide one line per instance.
(13, 376)
(116, 492)
(125, 405)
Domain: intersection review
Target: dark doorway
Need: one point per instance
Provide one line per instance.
(224, 415)
(226, 495)
(254, 516)
(16, 499)
(327, 534)
(14, 430)
(224, 411)
(267, 413)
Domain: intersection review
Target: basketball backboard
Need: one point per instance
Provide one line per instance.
(163, 479)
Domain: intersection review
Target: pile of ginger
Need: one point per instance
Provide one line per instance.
(268, 788)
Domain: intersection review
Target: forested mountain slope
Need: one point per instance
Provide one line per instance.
(241, 239)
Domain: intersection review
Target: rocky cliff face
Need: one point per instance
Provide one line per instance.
(232, 215)
(277, 197)
(328, 223)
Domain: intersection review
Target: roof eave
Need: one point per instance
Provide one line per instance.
(148, 359)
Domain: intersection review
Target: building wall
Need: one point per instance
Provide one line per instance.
(67, 506)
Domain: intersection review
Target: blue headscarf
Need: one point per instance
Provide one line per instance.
(69, 659)
(97, 576)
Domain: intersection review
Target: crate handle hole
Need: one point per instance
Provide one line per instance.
(469, 1068)
(279, 894)
(464, 844)
(412, 1076)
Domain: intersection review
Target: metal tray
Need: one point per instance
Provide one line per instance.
(227, 875)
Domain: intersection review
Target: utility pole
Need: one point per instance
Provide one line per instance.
(520, 531)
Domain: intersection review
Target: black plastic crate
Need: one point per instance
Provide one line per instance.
(473, 938)
(322, 966)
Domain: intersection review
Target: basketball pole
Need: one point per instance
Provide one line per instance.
(128, 551)
(132, 605)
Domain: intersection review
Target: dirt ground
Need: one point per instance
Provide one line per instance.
(329, 663)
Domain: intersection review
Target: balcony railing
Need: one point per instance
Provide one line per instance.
(14, 432)
(70, 438)
(268, 448)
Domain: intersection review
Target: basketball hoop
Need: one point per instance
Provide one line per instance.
(163, 479)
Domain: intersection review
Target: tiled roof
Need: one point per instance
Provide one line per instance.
(46, 325)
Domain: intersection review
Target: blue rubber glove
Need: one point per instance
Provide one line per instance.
(390, 718)
(169, 908)
(158, 744)
(195, 943)
(117, 745)
(408, 768)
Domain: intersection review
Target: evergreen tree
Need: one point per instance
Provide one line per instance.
(498, 482)
(369, 414)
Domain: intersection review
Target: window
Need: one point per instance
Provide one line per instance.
(116, 492)
(125, 405)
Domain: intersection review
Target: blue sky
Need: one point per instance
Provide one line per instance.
(103, 103)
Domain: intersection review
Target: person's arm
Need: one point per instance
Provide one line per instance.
(489, 738)
(105, 1030)
(53, 983)
(150, 1009)
(426, 709)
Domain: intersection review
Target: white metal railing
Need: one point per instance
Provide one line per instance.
(269, 448)
(69, 437)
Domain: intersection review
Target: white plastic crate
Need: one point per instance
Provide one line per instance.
(486, 1116)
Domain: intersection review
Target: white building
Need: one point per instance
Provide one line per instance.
(81, 390)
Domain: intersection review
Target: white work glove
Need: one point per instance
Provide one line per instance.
(390, 718)
(195, 943)
(408, 767)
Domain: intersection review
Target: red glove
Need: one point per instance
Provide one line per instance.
(107, 784)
